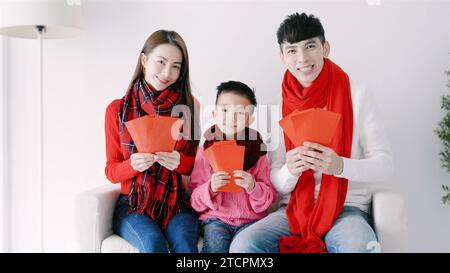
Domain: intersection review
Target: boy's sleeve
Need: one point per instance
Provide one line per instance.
(263, 194)
(202, 197)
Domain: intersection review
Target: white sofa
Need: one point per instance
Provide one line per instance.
(94, 213)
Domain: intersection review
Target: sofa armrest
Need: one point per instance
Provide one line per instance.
(389, 219)
(94, 213)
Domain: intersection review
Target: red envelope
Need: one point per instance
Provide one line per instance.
(313, 125)
(226, 156)
(154, 133)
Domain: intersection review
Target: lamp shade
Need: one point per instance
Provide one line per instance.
(20, 18)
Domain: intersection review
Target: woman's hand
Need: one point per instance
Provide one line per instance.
(247, 182)
(142, 161)
(218, 180)
(295, 162)
(170, 161)
(322, 159)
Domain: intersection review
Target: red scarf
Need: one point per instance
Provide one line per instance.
(158, 192)
(309, 220)
(251, 139)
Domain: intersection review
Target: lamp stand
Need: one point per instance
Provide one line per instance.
(41, 29)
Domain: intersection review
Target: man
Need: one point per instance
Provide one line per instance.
(326, 191)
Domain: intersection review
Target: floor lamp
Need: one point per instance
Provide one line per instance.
(50, 19)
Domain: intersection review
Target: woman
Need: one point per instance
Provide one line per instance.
(153, 212)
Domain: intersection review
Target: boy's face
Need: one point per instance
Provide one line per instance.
(305, 59)
(232, 114)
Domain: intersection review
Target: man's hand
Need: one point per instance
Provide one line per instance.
(322, 159)
(295, 162)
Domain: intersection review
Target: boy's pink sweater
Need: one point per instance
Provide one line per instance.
(231, 208)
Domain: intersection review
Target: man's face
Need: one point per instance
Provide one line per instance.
(305, 59)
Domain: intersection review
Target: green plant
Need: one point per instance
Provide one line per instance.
(443, 132)
(446, 198)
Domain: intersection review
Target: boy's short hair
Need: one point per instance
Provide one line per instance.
(298, 27)
(237, 88)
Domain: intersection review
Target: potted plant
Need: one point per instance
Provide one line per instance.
(443, 132)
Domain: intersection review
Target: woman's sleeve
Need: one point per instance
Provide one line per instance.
(186, 164)
(187, 153)
(117, 168)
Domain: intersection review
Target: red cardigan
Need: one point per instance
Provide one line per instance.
(118, 169)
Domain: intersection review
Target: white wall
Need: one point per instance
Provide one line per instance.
(4, 207)
(398, 49)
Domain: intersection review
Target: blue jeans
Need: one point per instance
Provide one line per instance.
(144, 233)
(351, 232)
(219, 235)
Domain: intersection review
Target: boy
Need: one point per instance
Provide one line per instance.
(225, 214)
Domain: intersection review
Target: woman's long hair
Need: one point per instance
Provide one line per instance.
(173, 38)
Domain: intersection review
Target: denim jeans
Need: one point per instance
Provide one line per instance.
(219, 235)
(141, 231)
(351, 232)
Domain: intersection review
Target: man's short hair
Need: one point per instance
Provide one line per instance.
(298, 27)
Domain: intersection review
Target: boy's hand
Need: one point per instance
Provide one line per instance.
(247, 182)
(218, 180)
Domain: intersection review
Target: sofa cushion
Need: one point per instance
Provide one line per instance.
(116, 244)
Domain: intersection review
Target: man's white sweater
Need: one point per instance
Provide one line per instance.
(371, 156)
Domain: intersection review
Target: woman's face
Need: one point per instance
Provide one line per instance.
(162, 66)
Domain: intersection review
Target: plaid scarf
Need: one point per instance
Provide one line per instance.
(251, 139)
(158, 192)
